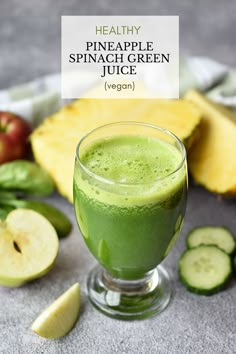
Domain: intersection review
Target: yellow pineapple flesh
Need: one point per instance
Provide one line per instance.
(54, 142)
(212, 160)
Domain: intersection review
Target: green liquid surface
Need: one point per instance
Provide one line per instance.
(131, 213)
(131, 159)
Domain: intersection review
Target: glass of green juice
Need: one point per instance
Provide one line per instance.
(130, 191)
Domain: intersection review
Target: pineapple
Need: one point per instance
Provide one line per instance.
(54, 142)
(212, 161)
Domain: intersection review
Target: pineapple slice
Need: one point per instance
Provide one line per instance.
(212, 161)
(54, 142)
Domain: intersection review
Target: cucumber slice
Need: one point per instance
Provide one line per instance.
(205, 269)
(212, 235)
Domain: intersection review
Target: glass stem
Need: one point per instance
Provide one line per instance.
(132, 287)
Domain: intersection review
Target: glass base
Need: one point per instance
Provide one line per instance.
(126, 299)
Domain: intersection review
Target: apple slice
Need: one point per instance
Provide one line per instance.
(28, 247)
(60, 317)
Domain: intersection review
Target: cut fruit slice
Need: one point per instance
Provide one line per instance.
(212, 235)
(205, 269)
(60, 317)
(28, 247)
(212, 160)
(56, 155)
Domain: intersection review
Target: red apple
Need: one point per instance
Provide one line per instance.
(14, 132)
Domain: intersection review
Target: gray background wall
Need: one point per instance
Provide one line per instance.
(30, 30)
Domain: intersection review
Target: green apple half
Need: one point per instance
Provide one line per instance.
(60, 317)
(28, 247)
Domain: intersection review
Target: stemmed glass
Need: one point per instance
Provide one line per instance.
(129, 226)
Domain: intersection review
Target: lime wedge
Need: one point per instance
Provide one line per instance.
(60, 317)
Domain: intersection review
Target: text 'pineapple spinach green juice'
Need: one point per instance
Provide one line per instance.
(130, 196)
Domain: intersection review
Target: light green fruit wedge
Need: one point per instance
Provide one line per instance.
(28, 247)
(60, 317)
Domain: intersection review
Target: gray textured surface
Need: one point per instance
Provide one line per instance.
(191, 324)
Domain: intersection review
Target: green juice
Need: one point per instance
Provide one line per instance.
(128, 202)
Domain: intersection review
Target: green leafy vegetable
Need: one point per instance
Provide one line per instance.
(25, 176)
(3, 214)
(6, 195)
(4, 211)
(59, 220)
